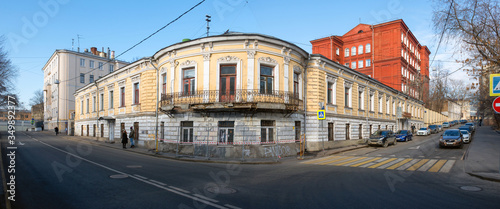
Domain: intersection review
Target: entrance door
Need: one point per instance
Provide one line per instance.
(136, 129)
(88, 129)
(111, 131)
(94, 130)
(102, 129)
(227, 83)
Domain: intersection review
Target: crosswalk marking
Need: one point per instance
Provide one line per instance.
(437, 166)
(402, 164)
(399, 164)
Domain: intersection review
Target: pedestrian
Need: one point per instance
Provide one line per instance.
(412, 128)
(56, 129)
(480, 122)
(124, 139)
(131, 136)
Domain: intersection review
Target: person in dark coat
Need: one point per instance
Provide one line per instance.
(124, 139)
(56, 129)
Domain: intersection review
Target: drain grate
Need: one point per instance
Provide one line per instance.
(118, 176)
(471, 188)
(221, 190)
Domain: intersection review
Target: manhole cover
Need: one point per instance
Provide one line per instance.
(221, 190)
(471, 188)
(118, 176)
(134, 166)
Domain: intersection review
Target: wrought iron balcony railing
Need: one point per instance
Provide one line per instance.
(235, 96)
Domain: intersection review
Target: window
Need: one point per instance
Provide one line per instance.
(360, 49)
(296, 85)
(393, 107)
(331, 93)
(188, 81)
(372, 103)
(187, 131)
(387, 106)
(122, 97)
(81, 108)
(226, 132)
(227, 84)
(111, 102)
(82, 62)
(111, 68)
(82, 78)
(101, 102)
(353, 51)
(337, 51)
(331, 132)
(360, 64)
(361, 101)
(94, 104)
(91, 78)
(87, 105)
(100, 65)
(267, 131)
(347, 96)
(360, 131)
(380, 104)
(347, 131)
(346, 64)
(368, 62)
(91, 64)
(297, 131)
(346, 53)
(266, 79)
(368, 48)
(353, 65)
(136, 93)
(164, 85)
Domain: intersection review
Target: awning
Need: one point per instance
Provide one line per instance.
(106, 118)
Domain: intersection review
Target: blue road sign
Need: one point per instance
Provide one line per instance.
(321, 114)
(495, 85)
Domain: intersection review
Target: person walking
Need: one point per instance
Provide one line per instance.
(56, 129)
(131, 136)
(124, 139)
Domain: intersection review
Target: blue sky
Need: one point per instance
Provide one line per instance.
(33, 30)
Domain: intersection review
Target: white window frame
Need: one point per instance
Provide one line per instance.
(368, 62)
(360, 64)
(333, 81)
(349, 99)
(361, 95)
(353, 65)
(133, 93)
(101, 66)
(111, 101)
(102, 102)
(353, 51)
(94, 102)
(372, 101)
(81, 107)
(368, 48)
(82, 62)
(91, 64)
(346, 52)
(261, 61)
(380, 104)
(360, 49)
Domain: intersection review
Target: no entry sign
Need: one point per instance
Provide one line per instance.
(496, 105)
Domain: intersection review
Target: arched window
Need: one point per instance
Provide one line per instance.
(346, 53)
(368, 48)
(353, 51)
(360, 49)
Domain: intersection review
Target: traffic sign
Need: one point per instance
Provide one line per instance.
(321, 114)
(496, 105)
(32, 121)
(495, 85)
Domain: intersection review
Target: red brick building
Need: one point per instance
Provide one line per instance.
(388, 52)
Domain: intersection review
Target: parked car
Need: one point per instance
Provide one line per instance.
(466, 136)
(451, 138)
(463, 121)
(446, 125)
(440, 128)
(423, 131)
(467, 128)
(473, 126)
(382, 138)
(433, 129)
(404, 135)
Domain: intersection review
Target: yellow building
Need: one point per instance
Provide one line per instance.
(222, 92)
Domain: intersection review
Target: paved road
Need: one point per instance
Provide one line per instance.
(52, 172)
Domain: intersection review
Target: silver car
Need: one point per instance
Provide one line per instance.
(467, 136)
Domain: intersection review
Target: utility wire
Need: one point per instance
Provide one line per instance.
(442, 32)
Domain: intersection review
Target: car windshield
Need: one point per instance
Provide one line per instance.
(432, 126)
(445, 123)
(402, 132)
(451, 133)
(464, 132)
(380, 133)
(423, 129)
(470, 124)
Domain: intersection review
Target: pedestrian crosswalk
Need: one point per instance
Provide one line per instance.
(389, 163)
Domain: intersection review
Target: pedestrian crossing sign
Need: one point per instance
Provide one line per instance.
(321, 115)
(495, 85)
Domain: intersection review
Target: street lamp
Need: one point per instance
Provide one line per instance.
(57, 112)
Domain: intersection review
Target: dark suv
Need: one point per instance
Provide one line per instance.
(434, 129)
(382, 138)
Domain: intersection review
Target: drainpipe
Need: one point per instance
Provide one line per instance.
(97, 109)
(331, 47)
(372, 49)
(157, 101)
(304, 98)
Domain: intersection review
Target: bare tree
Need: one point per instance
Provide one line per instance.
(475, 26)
(7, 73)
(37, 98)
(437, 91)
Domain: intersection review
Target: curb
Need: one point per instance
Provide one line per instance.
(484, 177)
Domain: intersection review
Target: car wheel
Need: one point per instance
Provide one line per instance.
(386, 144)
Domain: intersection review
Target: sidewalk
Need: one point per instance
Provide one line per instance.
(483, 157)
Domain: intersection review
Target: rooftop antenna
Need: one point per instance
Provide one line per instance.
(208, 21)
(72, 44)
(78, 36)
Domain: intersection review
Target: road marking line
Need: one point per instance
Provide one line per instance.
(137, 178)
(365, 162)
(342, 161)
(321, 159)
(417, 165)
(447, 166)
(437, 166)
(231, 206)
(142, 177)
(157, 182)
(407, 165)
(179, 189)
(350, 161)
(335, 160)
(391, 163)
(383, 162)
(399, 164)
(358, 161)
(427, 165)
(206, 198)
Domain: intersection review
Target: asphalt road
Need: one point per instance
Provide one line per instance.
(52, 172)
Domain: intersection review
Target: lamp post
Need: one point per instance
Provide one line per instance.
(57, 112)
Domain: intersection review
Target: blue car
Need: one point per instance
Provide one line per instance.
(404, 135)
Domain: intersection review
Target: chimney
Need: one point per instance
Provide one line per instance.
(93, 50)
(108, 53)
(112, 55)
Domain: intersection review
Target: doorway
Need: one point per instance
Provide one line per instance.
(227, 82)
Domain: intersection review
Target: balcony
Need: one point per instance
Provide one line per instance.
(236, 100)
